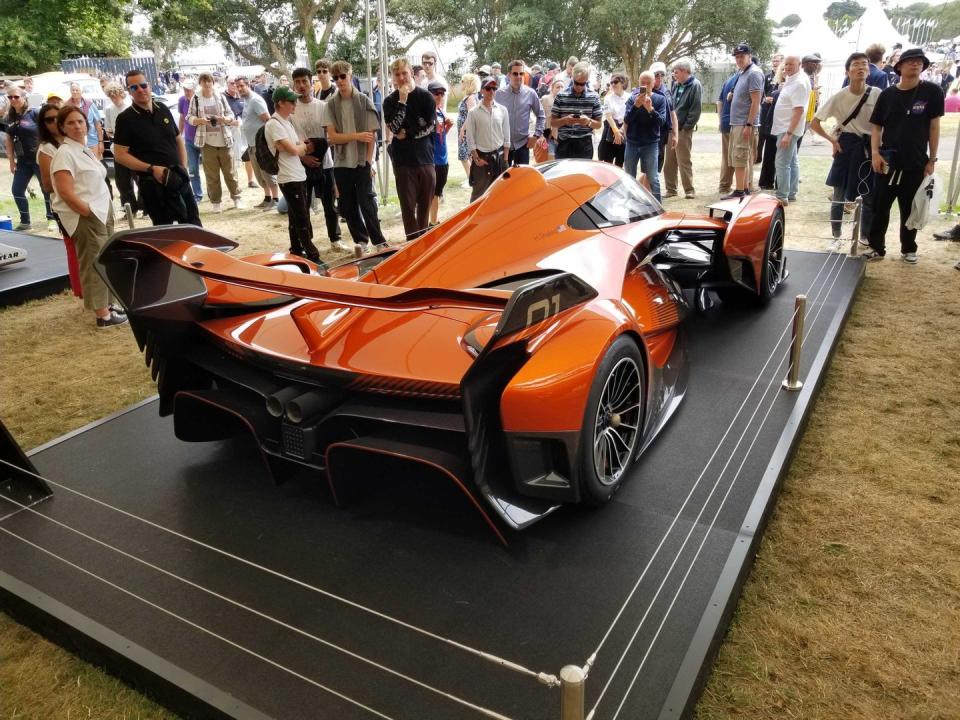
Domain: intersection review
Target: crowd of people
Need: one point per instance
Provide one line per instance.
(311, 145)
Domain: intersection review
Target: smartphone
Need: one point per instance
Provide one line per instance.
(213, 122)
(642, 90)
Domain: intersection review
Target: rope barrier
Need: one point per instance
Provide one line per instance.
(544, 678)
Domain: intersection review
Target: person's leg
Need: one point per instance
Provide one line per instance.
(193, 167)
(684, 157)
(326, 192)
(604, 151)
(767, 166)
(618, 154)
(909, 185)
(151, 196)
(649, 156)
(631, 158)
(88, 238)
(211, 172)
(662, 150)
(782, 164)
(228, 167)
(670, 168)
(585, 149)
(751, 154)
(726, 171)
(836, 212)
(349, 203)
(21, 178)
(519, 156)
(426, 187)
(883, 198)
(407, 195)
(482, 176)
(248, 167)
(794, 168)
(367, 200)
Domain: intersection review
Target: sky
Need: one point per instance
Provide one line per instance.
(779, 9)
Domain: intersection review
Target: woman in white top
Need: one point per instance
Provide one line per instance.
(82, 202)
(614, 108)
(550, 132)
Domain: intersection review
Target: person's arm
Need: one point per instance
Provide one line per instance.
(121, 153)
(505, 126)
(63, 184)
(674, 128)
(264, 116)
(934, 143)
(541, 119)
(696, 99)
(755, 96)
(183, 117)
(46, 179)
(98, 125)
(11, 156)
(876, 133)
(182, 151)
(795, 118)
(339, 138)
(817, 127)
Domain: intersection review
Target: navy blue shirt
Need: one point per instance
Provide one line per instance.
(877, 78)
(643, 127)
(665, 94)
(725, 107)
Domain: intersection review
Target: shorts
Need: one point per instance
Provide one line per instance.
(246, 155)
(441, 172)
(741, 151)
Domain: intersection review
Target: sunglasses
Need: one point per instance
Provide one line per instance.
(579, 84)
(14, 97)
(426, 62)
(342, 76)
(517, 74)
(141, 86)
(491, 87)
(322, 71)
(50, 119)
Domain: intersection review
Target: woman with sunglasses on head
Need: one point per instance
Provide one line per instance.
(82, 200)
(50, 139)
(22, 143)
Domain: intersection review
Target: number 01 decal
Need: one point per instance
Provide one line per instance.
(542, 308)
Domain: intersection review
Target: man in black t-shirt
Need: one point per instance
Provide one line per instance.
(411, 115)
(148, 142)
(906, 122)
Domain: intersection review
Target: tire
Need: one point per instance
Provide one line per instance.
(612, 422)
(771, 270)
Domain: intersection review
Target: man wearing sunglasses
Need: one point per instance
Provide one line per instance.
(148, 142)
(521, 101)
(429, 61)
(411, 114)
(488, 139)
(576, 113)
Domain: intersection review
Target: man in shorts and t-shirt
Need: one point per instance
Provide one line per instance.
(744, 120)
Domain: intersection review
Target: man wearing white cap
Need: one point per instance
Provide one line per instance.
(669, 133)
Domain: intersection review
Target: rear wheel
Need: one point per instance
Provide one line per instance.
(613, 422)
(771, 269)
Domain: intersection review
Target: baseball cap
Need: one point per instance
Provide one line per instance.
(742, 49)
(484, 70)
(552, 65)
(496, 65)
(52, 95)
(284, 93)
(435, 86)
(658, 67)
(489, 82)
(812, 57)
(189, 84)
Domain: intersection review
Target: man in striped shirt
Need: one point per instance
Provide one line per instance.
(576, 113)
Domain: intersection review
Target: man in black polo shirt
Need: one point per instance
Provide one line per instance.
(906, 123)
(411, 114)
(147, 141)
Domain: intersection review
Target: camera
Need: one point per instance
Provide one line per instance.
(213, 122)
(642, 90)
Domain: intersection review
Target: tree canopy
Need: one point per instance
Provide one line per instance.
(842, 14)
(791, 20)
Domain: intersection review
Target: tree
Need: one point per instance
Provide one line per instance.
(842, 14)
(640, 32)
(36, 34)
(791, 21)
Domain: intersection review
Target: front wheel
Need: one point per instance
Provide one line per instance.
(613, 422)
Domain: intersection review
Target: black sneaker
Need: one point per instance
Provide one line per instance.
(111, 320)
(735, 195)
(116, 309)
(951, 234)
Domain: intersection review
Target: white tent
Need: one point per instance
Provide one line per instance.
(813, 35)
(872, 27)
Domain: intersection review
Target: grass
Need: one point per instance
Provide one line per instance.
(853, 606)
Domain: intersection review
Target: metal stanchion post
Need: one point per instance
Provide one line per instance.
(572, 684)
(792, 381)
(857, 217)
(128, 211)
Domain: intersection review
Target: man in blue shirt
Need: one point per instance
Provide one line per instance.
(669, 133)
(644, 122)
(723, 109)
(744, 120)
(521, 101)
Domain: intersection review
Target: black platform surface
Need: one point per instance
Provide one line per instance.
(419, 556)
(43, 273)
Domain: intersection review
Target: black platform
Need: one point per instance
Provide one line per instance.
(545, 602)
(43, 273)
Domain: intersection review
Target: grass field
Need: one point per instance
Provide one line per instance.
(853, 606)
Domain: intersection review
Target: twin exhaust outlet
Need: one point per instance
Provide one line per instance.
(297, 405)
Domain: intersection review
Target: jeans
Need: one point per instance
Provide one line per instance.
(26, 168)
(646, 156)
(836, 213)
(787, 167)
(193, 165)
(519, 156)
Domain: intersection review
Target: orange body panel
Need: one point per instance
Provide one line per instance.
(746, 237)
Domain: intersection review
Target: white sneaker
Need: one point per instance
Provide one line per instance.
(52, 227)
(215, 207)
(910, 258)
(238, 204)
(339, 246)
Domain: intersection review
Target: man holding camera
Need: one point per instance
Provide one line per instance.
(148, 142)
(575, 114)
(645, 121)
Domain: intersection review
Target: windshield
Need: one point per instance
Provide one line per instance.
(625, 201)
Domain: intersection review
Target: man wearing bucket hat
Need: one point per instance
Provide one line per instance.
(904, 141)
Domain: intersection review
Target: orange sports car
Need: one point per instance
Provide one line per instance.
(528, 349)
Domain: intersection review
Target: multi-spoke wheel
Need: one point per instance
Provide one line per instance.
(773, 260)
(613, 422)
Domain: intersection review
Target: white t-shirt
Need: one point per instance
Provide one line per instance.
(89, 182)
(291, 169)
(842, 103)
(310, 121)
(615, 104)
(794, 93)
(212, 109)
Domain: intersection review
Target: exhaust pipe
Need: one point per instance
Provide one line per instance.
(278, 401)
(308, 405)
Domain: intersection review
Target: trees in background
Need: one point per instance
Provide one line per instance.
(842, 14)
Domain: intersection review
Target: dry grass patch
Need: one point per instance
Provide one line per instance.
(853, 607)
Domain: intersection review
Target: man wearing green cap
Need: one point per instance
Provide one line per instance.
(283, 140)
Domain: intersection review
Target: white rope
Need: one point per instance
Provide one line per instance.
(592, 659)
(194, 625)
(281, 623)
(22, 507)
(544, 678)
